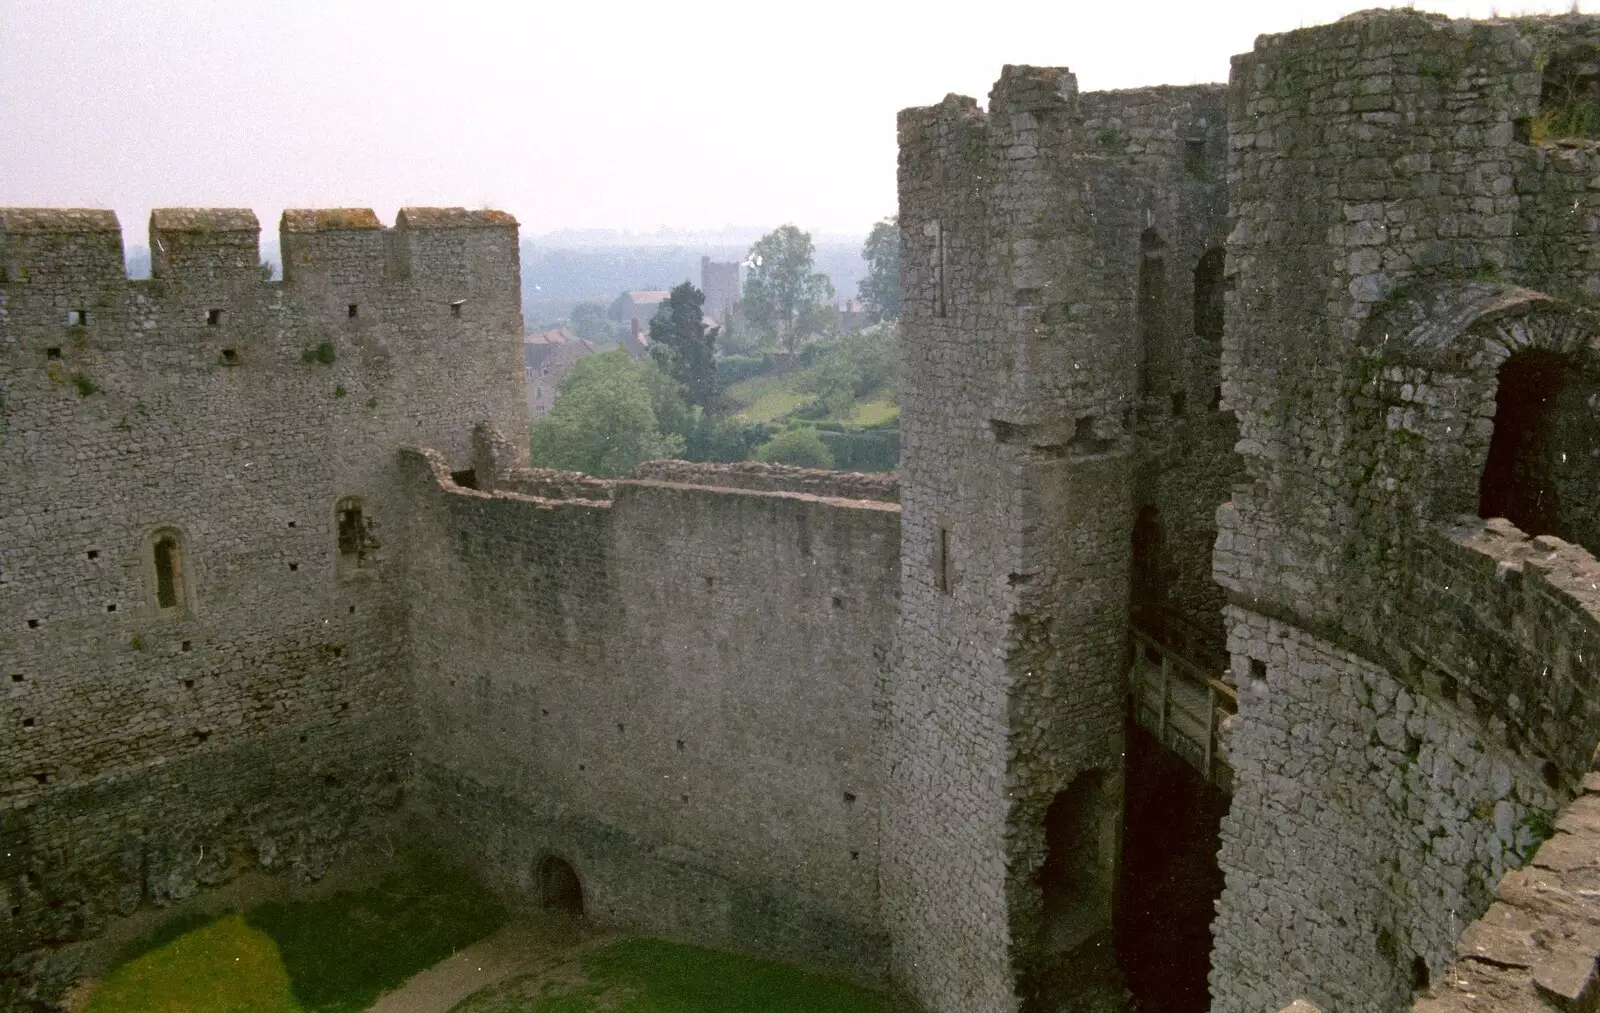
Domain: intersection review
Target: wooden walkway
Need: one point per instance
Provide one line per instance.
(1185, 704)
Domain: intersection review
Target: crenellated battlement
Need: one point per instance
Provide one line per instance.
(350, 284)
(220, 247)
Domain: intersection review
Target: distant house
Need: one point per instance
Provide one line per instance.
(546, 357)
(638, 305)
(852, 315)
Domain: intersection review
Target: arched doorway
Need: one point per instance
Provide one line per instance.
(1076, 878)
(559, 886)
(1543, 469)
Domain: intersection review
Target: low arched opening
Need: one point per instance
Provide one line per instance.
(560, 889)
(1543, 468)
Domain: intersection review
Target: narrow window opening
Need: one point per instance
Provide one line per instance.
(1149, 588)
(1258, 668)
(455, 308)
(213, 318)
(355, 531)
(1194, 156)
(112, 607)
(27, 724)
(185, 646)
(941, 560)
(1180, 401)
(466, 478)
(1151, 309)
(849, 797)
(294, 567)
(77, 318)
(1209, 287)
(169, 570)
(354, 310)
(230, 355)
(559, 886)
(33, 624)
(93, 553)
(52, 353)
(18, 677)
(933, 230)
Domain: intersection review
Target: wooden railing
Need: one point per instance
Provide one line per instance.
(1185, 704)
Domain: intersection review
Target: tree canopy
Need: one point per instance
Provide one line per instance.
(684, 347)
(784, 295)
(880, 289)
(588, 320)
(801, 447)
(606, 417)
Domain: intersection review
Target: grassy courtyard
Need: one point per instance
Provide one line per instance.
(327, 956)
(652, 976)
(338, 954)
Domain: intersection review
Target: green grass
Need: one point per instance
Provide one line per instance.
(333, 956)
(875, 411)
(652, 976)
(764, 398)
(223, 967)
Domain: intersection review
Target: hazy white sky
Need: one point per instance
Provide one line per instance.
(581, 114)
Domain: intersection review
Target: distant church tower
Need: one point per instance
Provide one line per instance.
(720, 283)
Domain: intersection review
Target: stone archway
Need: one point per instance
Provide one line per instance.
(560, 889)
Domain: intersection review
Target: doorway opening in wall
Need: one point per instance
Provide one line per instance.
(1075, 959)
(1149, 583)
(1170, 879)
(559, 886)
(1543, 470)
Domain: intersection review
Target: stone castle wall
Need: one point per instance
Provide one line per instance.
(1413, 709)
(677, 690)
(149, 751)
(1052, 368)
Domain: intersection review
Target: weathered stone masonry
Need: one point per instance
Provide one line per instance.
(272, 571)
(151, 750)
(1405, 341)
(1057, 386)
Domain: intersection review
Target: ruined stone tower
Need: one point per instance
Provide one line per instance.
(1058, 265)
(1250, 430)
(1396, 343)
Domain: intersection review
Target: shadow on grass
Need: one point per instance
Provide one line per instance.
(652, 976)
(343, 951)
(338, 953)
(161, 935)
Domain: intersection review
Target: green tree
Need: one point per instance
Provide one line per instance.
(783, 294)
(604, 421)
(856, 366)
(588, 320)
(684, 347)
(880, 289)
(801, 447)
